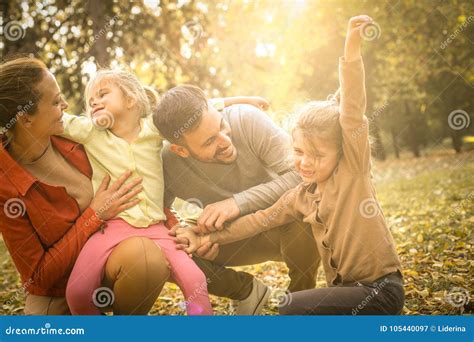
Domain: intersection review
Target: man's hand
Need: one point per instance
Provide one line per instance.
(353, 37)
(215, 215)
(208, 251)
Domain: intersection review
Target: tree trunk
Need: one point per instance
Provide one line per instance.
(456, 140)
(379, 150)
(412, 134)
(396, 149)
(97, 11)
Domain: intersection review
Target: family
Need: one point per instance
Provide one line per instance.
(87, 200)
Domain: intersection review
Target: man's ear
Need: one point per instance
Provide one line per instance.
(180, 150)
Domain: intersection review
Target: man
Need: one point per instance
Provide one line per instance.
(233, 162)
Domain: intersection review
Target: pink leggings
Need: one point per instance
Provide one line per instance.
(88, 270)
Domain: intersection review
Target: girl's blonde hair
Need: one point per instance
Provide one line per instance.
(320, 119)
(130, 86)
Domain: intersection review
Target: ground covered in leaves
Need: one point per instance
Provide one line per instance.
(428, 203)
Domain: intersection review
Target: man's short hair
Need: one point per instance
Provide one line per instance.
(180, 111)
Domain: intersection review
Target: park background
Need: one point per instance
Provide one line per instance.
(419, 76)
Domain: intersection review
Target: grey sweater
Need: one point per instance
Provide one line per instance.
(262, 172)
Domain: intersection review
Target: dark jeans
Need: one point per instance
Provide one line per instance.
(292, 243)
(383, 297)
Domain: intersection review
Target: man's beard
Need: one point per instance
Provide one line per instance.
(215, 159)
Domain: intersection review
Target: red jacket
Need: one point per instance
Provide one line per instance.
(41, 224)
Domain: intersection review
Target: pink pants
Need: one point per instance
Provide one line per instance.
(89, 268)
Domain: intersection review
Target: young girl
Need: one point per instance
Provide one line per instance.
(119, 137)
(332, 155)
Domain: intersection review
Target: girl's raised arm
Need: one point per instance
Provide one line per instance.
(353, 98)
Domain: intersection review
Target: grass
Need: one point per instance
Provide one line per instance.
(428, 203)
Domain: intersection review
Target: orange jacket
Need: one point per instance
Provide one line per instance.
(41, 224)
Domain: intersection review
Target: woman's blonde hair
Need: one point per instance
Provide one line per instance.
(130, 86)
(320, 119)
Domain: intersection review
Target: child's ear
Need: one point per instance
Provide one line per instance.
(180, 150)
(131, 101)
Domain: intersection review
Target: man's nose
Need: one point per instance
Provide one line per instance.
(223, 140)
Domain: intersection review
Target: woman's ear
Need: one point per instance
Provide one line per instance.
(180, 150)
(24, 119)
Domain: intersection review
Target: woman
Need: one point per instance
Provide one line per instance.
(48, 208)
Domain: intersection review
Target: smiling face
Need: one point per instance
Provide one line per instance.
(47, 120)
(105, 98)
(210, 141)
(315, 165)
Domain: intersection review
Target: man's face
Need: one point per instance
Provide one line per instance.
(211, 141)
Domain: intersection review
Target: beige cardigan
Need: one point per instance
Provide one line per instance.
(347, 222)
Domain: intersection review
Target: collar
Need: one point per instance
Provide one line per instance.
(22, 180)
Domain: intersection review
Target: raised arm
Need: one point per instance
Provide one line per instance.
(351, 72)
(354, 124)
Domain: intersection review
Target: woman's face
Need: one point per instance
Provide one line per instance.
(47, 120)
(314, 166)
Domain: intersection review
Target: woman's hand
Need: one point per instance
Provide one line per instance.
(111, 201)
(354, 36)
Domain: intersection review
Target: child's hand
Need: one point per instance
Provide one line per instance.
(354, 36)
(258, 102)
(187, 240)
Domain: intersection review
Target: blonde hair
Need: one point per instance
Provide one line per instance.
(128, 83)
(153, 97)
(320, 119)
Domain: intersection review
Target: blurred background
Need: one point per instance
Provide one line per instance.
(418, 59)
(419, 75)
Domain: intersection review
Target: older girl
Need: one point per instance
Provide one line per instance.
(337, 197)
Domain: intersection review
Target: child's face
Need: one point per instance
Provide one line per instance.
(314, 166)
(107, 99)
